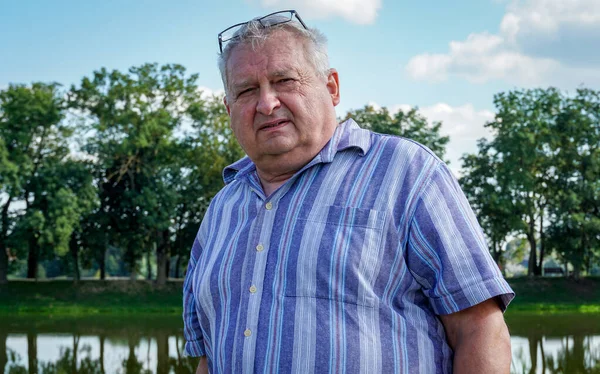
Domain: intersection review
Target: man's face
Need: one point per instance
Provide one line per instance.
(282, 112)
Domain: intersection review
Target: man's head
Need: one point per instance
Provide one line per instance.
(280, 94)
(258, 30)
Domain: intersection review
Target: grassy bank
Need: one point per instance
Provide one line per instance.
(556, 295)
(123, 297)
(90, 297)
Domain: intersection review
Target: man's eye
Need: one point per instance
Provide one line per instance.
(244, 92)
(285, 80)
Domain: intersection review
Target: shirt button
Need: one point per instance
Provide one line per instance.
(269, 205)
(253, 289)
(247, 333)
(260, 248)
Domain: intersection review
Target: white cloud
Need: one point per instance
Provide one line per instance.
(374, 105)
(356, 11)
(552, 15)
(207, 93)
(463, 124)
(540, 42)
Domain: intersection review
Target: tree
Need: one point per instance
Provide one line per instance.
(206, 150)
(36, 142)
(133, 118)
(575, 197)
(8, 172)
(488, 198)
(519, 163)
(409, 124)
(539, 175)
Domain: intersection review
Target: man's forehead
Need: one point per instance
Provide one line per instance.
(269, 59)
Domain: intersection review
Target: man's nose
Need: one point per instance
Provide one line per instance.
(267, 101)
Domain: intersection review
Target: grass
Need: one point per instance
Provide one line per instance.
(556, 295)
(90, 297)
(143, 298)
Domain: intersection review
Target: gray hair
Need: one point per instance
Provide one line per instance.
(255, 34)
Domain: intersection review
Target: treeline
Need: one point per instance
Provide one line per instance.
(112, 176)
(115, 173)
(538, 178)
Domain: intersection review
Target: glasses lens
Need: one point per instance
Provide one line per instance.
(231, 32)
(275, 19)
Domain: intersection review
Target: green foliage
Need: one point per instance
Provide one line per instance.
(36, 141)
(539, 176)
(154, 180)
(409, 124)
(575, 207)
(154, 148)
(133, 117)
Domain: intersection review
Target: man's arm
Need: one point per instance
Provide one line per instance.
(480, 340)
(202, 366)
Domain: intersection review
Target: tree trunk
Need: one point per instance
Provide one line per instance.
(75, 350)
(32, 362)
(533, 348)
(168, 266)
(3, 263)
(132, 364)
(540, 264)
(543, 355)
(32, 258)
(162, 353)
(102, 261)
(3, 355)
(131, 260)
(3, 244)
(161, 259)
(497, 255)
(577, 355)
(177, 266)
(74, 248)
(102, 354)
(149, 264)
(532, 251)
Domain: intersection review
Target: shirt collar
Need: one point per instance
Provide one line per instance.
(347, 135)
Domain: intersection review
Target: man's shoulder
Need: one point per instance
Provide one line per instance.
(399, 143)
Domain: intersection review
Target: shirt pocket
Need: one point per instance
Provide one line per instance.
(339, 255)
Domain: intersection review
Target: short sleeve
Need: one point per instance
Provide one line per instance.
(447, 252)
(192, 332)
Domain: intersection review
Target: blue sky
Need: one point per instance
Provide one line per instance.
(447, 58)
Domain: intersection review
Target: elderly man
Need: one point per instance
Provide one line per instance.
(333, 249)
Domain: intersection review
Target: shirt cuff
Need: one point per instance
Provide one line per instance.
(194, 348)
(478, 293)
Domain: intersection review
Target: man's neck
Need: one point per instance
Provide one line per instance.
(271, 183)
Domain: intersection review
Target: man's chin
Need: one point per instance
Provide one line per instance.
(277, 147)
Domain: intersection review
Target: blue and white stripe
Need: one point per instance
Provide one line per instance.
(343, 269)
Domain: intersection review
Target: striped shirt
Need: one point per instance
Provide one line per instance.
(343, 269)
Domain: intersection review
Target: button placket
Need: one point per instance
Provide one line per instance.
(261, 239)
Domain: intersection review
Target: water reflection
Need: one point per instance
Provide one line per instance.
(541, 344)
(101, 345)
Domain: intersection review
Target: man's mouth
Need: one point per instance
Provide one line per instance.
(274, 124)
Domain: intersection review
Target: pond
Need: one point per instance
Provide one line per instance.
(563, 343)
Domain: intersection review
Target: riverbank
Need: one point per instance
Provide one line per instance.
(123, 297)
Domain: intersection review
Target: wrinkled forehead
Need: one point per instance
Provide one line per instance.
(280, 51)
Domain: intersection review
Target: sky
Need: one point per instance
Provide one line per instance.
(448, 58)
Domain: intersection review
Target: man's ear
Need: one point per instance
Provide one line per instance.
(333, 86)
(226, 105)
